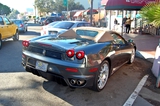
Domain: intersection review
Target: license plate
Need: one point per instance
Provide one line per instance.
(41, 66)
(53, 33)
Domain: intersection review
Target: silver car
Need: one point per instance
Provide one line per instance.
(60, 27)
(22, 25)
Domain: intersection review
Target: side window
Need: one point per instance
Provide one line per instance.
(6, 21)
(80, 24)
(1, 21)
(117, 39)
(86, 24)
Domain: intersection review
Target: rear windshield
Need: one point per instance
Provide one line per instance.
(17, 22)
(53, 23)
(63, 25)
(88, 33)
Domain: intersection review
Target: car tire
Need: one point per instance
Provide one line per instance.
(16, 36)
(0, 43)
(102, 76)
(132, 56)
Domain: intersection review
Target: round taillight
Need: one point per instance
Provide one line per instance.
(80, 55)
(70, 53)
(25, 43)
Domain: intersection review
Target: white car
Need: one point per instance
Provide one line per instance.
(59, 27)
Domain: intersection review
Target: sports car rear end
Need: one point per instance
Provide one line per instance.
(62, 61)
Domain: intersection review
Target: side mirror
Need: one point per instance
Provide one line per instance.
(130, 41)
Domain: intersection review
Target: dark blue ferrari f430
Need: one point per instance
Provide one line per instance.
(80, 57)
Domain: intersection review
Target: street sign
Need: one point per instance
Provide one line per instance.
(65, 3)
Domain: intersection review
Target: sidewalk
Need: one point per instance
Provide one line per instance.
(146, 48)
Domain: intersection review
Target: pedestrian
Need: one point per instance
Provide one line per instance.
(123, 23)
(128, 25)
(115, 24)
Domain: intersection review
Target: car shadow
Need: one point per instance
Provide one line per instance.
(28, 33)
(119, 87)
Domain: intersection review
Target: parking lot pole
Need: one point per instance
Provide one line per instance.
(91, 12)
(158, 78)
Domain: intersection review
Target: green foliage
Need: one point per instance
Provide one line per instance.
(29, 17)
(58, 5)
(4, 10)
(151, 12)
(34, 17)
(13, 14)
(44, 5)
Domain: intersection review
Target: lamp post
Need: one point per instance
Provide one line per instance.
(91, 12)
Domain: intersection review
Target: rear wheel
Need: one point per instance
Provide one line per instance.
(102, 77)
(16, 36)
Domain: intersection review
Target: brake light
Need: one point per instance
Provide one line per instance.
(70, 53)
(72, 69)
(25, 43)
(21, 25)
(80, 55)
(41, 28)
(44, 32)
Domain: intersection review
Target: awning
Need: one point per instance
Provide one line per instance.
(87, 12)
(125, 4)
(78, 13)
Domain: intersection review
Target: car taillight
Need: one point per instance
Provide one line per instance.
(44, 32)
(25, 43)
(80, 55)
(70, 53)
(21, 25)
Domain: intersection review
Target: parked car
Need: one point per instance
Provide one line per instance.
(51, 19)
(22, 25)
(40, 21)
(59, 27)
(7, 30)
(80, 57)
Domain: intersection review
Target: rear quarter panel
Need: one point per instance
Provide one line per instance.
(95, 53)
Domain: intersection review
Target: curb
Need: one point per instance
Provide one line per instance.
(145, 56)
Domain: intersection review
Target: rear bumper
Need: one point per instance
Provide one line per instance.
(56, 71)
(21, 29)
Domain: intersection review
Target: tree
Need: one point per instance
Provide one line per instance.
(151, 12)
(59, 6)
(13, 14)
(45, 5)
(4, 10)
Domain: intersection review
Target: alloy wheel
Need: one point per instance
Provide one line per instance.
(103, 76)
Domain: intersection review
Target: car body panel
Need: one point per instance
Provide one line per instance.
(52, 51)
(7, 28)
(22, 26)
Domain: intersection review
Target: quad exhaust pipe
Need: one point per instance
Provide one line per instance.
(73, 81)
(80, 82)
(77, 82)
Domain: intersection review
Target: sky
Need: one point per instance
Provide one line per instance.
(20, 5)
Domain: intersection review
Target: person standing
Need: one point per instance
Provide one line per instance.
(128, 25)
(115, 24)
(123, 23)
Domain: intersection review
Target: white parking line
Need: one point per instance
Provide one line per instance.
(134, 95)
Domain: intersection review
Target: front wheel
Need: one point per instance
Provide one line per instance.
(16, 36)
(0, 43)
(101, 77)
